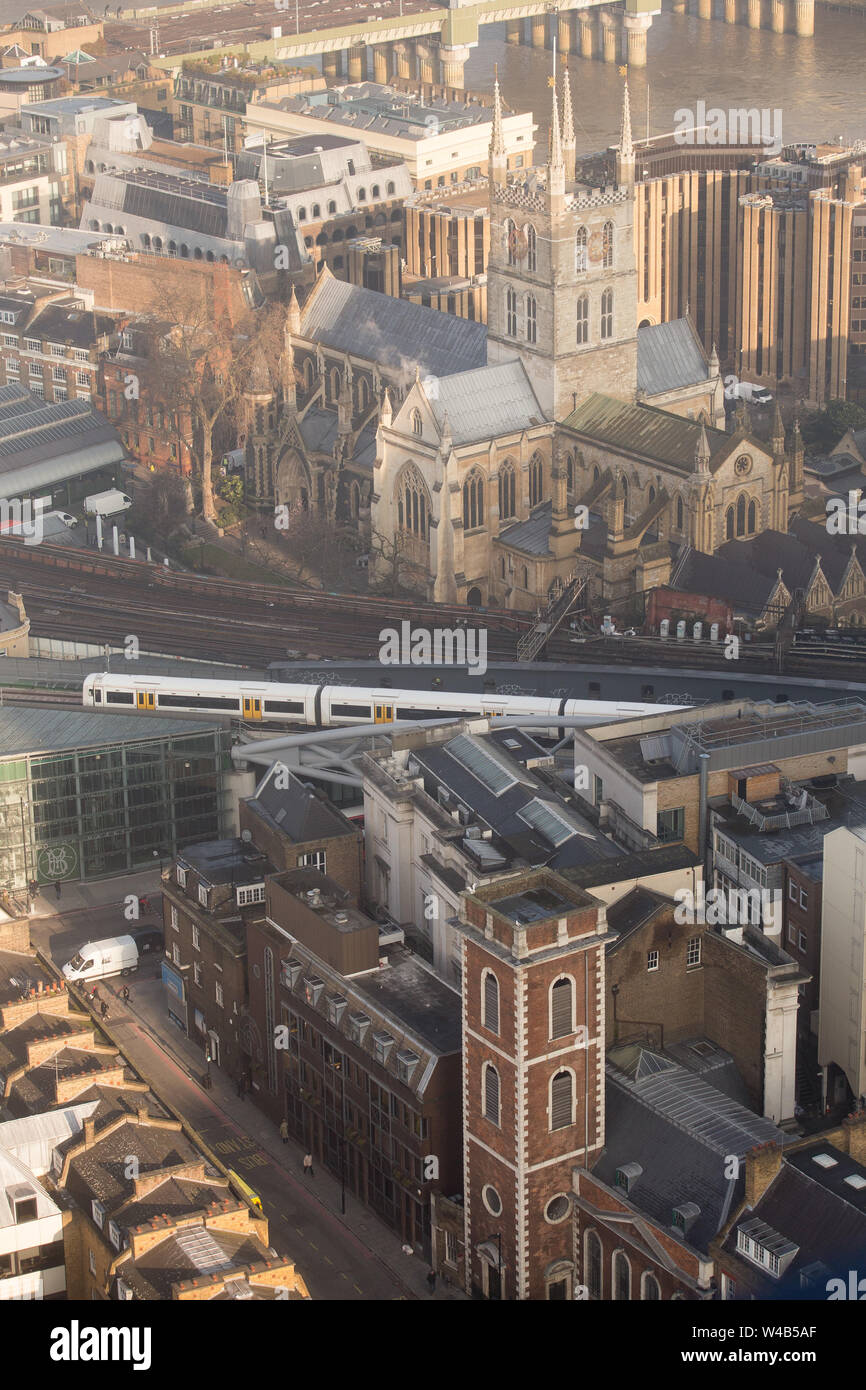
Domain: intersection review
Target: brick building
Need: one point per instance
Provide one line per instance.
(297, 827)
(533, 1048)
(53, 340)
(207, 897)
(367, 1064)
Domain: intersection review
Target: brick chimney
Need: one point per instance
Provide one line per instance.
(762, 1165)
(89, 1132)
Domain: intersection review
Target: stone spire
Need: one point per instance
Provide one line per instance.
(713, 365)
(702, 453)
(497, 160)
(625, 151)
(777, 434)
(293, 322)
(386, 413)
(556, 163)
(569, 143)
(288, 374)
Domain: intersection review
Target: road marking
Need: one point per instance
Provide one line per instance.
(314, 1245)
(343, 1274)
(360, 1291)
(327, 1261)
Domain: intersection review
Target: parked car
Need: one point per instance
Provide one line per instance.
(149, 940)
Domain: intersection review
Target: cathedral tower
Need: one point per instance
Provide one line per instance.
(562, 282)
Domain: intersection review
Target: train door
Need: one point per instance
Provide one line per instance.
(145, 699)
(383, 714)
(252, 707)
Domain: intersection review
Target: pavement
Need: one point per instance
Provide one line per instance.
(341, 1256)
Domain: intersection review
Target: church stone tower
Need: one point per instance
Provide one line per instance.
(562, 283)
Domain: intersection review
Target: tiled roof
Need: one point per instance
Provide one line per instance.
(531, 537)
(391, 331)
(669, 355)
(644, 430)
(487, 402)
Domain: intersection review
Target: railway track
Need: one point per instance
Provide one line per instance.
(22, 695)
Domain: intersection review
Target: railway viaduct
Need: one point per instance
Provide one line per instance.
(433, 45)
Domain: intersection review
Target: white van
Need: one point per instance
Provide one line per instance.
(116, 955)
(109, 503)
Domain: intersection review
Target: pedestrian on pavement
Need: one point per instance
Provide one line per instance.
(431, 1281)
(284, 1131)
(94, 995)
(241, 1085)
(103, 1009)
(57, 889)
(308, 1166)
(264, 533)
(124, 994)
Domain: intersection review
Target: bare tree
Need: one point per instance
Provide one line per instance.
(395, 571)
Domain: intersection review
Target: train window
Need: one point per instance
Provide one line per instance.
(284, 707)
(196, 702)
(350, 711)
(594, 688)
(120, 697)
(647, 692)
(97, 697)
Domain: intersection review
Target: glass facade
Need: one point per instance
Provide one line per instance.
(90, 813)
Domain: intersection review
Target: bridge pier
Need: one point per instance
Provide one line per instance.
(538, 26)
(514, 31)
(753, 14)
(635, 28)
(452, 61)
(403, 64)
(428, 62)
(804, 18)
(777, 16)
(609, 31)
(679, 6)
(565, 31)
(731, 14)
(705, 9)
(586, 34)
(357, 63)
(381, 63)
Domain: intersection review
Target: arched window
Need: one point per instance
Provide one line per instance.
(741, 515)
(197, 254)
(621, 1277)
(332, 207)
(607, 246)
(506, 492)
(582, 320)
(309, 374)
(363, 394)
(335, 384)
(390, 188)
(729, 524)
(172, 247)
(625, 489)
(536, 480)
(569, 472)
(208, 255)
(581, 260)
(596, 473)
(607, 315)
(355, 501)
(649, 1286)
(652, 494)
(511, 313)
(145, 238)
(680, 514)
(561, 1008)
(184, 251)
(510, 241)
(525, 577)
(531, 247)
(490, 1092)
(376, 191)
(361, 195)
(473, 501)
(592, 1263)
(302, 214)
(322, 239)
(413, 508)
(531, 318)
(753, 517)
(317, 211)
(490, 1001)
(417, 422)
(562, 1100)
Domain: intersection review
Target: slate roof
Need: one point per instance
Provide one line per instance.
(834, 551)
(43, 443)
(35, 729)
(531, 537)
(731, 578)
(296, 811)
(680, 1130)
(487, 402)
(391, 331)
(319, 430)
(646, 431)
(669, 355)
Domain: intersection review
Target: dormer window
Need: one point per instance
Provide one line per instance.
(765, 1247)
(115, 1235)
(180, 875)
(627, 1176)
(290, 972)
(22, 1200)
(358, 1027)
(313, 988)
(202, 894)
(382, 1045)
(251, 893)
(337, 1004)
(98, 1211)
(407, 1061)
(685, 1215)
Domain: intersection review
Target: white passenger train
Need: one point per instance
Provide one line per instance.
(319, 706)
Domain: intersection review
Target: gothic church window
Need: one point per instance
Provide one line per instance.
(753, 518)
(621, 1277)
(531, 319)
(581, 260)
(607, 246)
(490, 1093)
(561, 1008)
(569, 472)
(417, 423)
(562, 1100)
(582, 320)
(490, 1001)
(506, 491)
(741, 515)
(680, 514)
(413, 509)
(536, 480)
(511, 313)
(607, 315)
(473, 501)
(729, 524)
(531, 248)
(510, 241)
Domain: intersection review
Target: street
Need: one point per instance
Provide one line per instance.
(336, 1262)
